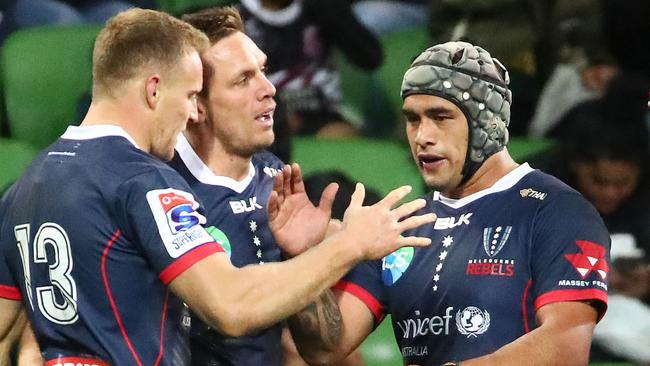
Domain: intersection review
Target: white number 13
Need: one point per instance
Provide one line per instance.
(61, 311)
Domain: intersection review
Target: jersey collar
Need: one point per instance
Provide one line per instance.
(96, 131)
(203, 174)
(506, 182)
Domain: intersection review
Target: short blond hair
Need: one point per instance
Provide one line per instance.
(136, 38)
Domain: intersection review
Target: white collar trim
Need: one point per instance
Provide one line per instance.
(203, 174)
(274, 17)
(96, 131)
(506, 182)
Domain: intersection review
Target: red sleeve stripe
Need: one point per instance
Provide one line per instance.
(363, 295)
(10, 292)
(187, 260)
(573, 295)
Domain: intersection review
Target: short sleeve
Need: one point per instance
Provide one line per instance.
(8, 286)
(365, 283)
(166, 222)
(570, 253)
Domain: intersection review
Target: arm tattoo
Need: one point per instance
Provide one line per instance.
(319, 325)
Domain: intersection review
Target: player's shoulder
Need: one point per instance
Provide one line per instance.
(545, 187)
(266, 162)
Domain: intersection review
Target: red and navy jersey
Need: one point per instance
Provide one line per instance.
(92, 234)
(496, 257)
(237, 218)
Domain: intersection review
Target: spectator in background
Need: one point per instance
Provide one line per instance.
(386, 16)
(604, 155)
(622, 335)
(586, 67)
(298, 36)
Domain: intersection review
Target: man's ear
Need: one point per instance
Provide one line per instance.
(201, 109)
(152, 90)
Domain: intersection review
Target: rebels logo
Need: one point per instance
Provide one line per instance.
(180, 211)
(591, 259)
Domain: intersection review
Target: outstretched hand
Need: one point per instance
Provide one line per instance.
(377, 229)
(295, 222)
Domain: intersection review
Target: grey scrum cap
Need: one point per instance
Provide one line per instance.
(477, 83)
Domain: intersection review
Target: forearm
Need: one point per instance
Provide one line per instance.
(317, 329)
(237, 301)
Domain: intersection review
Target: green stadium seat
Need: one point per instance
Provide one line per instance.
(180, 7)
(380, 164)
(45, 71)
(16, 156)
(400, 48)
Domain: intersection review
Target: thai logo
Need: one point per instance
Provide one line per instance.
(472, 321)
(221, 239)
(495, 238)
(529, 192)
(395, 264)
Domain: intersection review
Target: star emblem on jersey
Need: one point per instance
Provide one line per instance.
(447, 242)
(592, 258)
(259, 253)
(257, 241)
(495, 238)
(253, 225)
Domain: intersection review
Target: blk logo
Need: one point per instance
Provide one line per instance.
(591, 259)
(242, 206)
(443, 223)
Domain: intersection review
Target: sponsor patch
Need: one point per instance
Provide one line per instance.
(221, 238)
(179, 225)
(472, 321)
(395, 264)
(76, 361)
(591, 259)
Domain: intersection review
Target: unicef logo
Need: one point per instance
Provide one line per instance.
(472, 321)
(395, 264)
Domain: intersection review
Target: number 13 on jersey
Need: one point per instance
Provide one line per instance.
(61, 308)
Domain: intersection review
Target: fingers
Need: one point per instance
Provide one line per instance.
(413, 241)
(417, 221)
(357, 197)
(327, 197)
(297, 183)
(273, 206)
(409, 207)
(278, 184)
(395, 195)
(287, 171)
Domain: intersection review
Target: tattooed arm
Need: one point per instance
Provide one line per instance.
(318, 326)
(332, 327)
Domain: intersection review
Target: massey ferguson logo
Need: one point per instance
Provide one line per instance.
(472, 321)
(443, 223)
(242, 206)
(591, 259)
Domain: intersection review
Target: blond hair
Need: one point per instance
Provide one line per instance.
(137, 38)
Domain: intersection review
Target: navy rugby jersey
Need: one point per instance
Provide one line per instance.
(496, 257)
(92, 234)
(238, 220)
